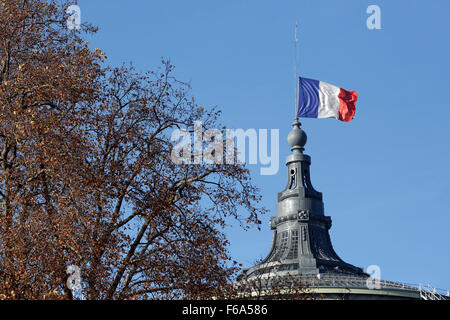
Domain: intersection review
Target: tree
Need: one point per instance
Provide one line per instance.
(87, 177)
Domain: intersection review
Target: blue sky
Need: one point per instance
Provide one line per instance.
(384, 176)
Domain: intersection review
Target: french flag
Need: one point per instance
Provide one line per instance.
(318, 99)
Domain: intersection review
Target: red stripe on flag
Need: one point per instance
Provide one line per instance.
(347, 104)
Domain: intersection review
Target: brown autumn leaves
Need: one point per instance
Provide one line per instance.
(86, 177)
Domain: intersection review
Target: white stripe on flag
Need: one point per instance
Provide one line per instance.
(328, 101)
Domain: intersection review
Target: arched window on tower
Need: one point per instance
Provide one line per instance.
(292, 179)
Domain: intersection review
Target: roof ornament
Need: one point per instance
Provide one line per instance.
(297, 138)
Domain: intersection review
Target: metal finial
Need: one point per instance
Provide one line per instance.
(297, 137)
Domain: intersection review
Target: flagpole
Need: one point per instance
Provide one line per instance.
(296, 91)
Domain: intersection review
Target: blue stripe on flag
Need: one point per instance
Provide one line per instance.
(308, 102)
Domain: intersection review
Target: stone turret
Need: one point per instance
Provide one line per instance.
(301, 242)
